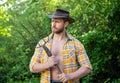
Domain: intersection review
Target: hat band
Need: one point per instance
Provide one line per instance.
(65, 15)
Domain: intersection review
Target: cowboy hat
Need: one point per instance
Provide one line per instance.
(59, 13)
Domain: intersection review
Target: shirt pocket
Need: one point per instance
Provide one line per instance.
(70, 62)
(69, 56)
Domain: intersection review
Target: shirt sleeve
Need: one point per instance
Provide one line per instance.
(36, 56)
(82, 56)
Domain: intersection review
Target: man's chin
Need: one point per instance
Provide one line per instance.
(57, 32)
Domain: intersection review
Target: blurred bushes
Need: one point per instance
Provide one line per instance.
(97, 26)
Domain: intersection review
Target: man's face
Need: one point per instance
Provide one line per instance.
(58, 25)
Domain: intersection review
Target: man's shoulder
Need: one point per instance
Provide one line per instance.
(43, 41)
(76, 41)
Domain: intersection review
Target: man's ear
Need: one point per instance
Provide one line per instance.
(66, 24)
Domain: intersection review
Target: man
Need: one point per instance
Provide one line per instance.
(67, 53)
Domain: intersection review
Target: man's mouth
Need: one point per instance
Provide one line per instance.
(54, 27)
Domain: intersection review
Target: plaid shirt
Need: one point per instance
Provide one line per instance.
(73, 54)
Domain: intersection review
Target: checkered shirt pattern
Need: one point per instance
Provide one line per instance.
(73, 53)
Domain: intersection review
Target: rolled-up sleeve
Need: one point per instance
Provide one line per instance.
(82, 56)
(36, 57)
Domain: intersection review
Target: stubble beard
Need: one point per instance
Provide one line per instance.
(58, 31)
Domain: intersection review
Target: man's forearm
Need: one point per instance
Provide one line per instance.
(38, 67)
(81, 72)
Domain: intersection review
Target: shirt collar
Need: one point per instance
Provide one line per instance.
(68, 36)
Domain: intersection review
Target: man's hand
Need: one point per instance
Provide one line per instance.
(63, 77)
(52, 61)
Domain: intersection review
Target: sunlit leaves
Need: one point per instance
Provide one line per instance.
(4, 18)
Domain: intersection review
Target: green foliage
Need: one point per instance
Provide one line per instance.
(96, 26)
(4, 18)
(102, 44)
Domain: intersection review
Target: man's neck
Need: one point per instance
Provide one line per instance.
(60, 36)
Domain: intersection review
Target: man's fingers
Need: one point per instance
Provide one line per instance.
(55, 60)
(52, 61)
(62, 78)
